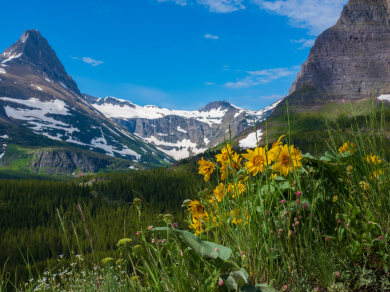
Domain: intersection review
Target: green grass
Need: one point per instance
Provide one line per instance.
(320, 225)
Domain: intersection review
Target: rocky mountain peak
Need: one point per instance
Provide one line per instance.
(33, 50)
(348, 59)
(364, 13)
(215, 105)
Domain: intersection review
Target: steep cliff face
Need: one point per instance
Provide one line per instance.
(349, 58)
(63, 161)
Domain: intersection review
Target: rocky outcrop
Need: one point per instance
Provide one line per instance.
(348, 59)
(62, 161)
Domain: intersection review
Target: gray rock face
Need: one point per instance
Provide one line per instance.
(34, 50)
(349, 58)
(66, 161)
(180, 134)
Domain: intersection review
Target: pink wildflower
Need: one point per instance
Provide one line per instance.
(381, 237)
(295, 219)
(305, 204)
(369, 222)
(285, 287)
(280, 230)
(282, 201)
(220, 283)
(298, 194)
(150, 227)
(326, 238)
(267, 212)
(300, 217)
(337, 274)
(271, 231)
(216, 249)
(138, 233)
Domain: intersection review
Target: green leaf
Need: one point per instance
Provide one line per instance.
(236, 280)
(265, 288)
(205, 249)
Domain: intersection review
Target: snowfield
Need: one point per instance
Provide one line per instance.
(153, 112)
(183, 145)
(250, 140)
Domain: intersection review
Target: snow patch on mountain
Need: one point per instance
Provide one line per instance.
(181, 130)
(384, 97)
(10, 57)
(38, 116)
(124, 111)
(179, 150)
(2, 71)
(250, 140)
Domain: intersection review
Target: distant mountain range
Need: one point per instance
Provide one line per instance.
(180, 133)
(41, 106)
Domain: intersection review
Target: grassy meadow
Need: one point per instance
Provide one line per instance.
(273, 218)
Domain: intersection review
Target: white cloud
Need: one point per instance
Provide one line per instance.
(315, 15)
(179, 2)
(273, 96)
(209, 36)
(222, 6)
(305, 43)
(91, 61)
(209, 83)
(262, 77)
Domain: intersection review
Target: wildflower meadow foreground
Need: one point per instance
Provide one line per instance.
(272, 219)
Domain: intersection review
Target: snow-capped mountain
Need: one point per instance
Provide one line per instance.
(180, 133)
(37, 93)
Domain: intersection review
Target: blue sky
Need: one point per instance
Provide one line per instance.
(179, 54)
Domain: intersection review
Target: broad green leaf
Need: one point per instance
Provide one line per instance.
(205, 249)
(236, 280)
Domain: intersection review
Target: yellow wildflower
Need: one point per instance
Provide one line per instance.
(275, 150)
(205, 168)
(223, 171)
(124, 242)
(288, 159)
(198, 225)
(351, 147)
(365, 186)
(197, 209)
(240, 188)
(373, 159)
(237, 216)
(335, 199)
(235, 162)
(226, 154)
(219, 192)
(107, 261)
(256, 160)
(273, 176)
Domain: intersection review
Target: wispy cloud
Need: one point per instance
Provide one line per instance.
(209, 36)
(216, 6)
(222, 6)
(315, 15)
(209, 83)
(262, 77)
(91, 61)
(305, 43)
(273, 96)
(179, 2)
(75, 58)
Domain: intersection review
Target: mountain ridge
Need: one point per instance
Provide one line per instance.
(180, 133)
(37, 93)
